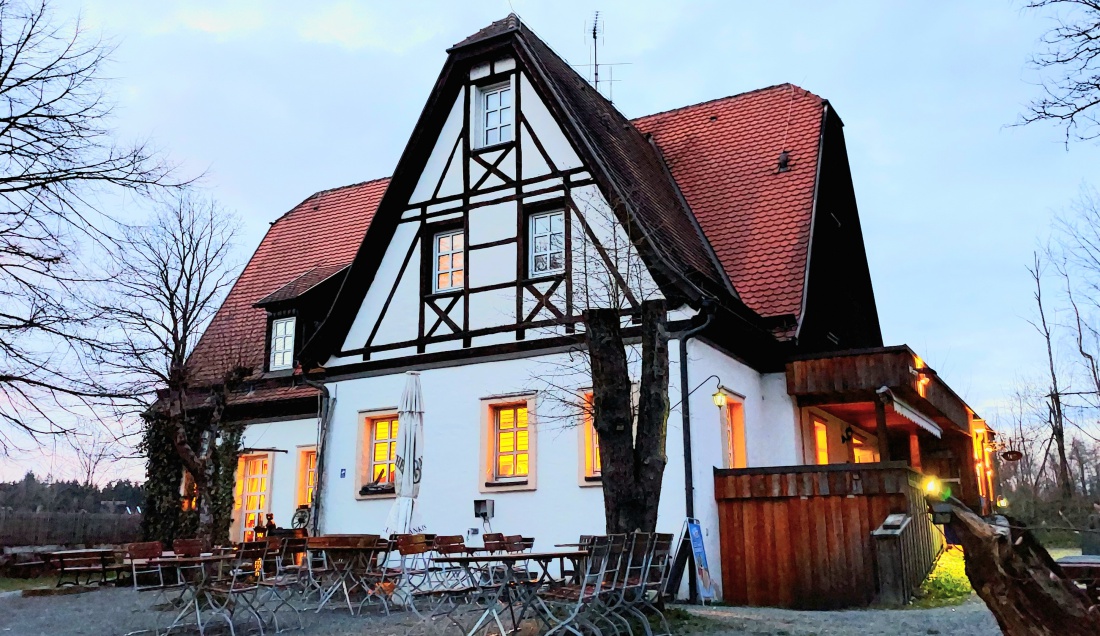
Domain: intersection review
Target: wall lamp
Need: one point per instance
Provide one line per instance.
(720, 396)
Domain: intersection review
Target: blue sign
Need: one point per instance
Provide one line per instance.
(702, 570)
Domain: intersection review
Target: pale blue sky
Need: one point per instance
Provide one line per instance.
(276, 100)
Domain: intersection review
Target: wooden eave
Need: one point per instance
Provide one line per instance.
(857, 375)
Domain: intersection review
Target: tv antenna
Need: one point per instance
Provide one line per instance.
(595, 30)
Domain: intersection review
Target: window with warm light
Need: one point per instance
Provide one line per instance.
(862, 453)
(512, 442)
(307, 476)
(736, 450)
(590, 441)
(282, 344)
(251, 492)
(821, 441)
(382, 450)
(450, 265)
(188, 492)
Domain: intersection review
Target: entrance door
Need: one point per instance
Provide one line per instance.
(253, 481)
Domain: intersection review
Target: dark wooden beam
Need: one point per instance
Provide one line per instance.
(880, 430)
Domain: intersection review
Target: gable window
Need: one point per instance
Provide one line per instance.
(547, 243)
(282, 344)
(449, 265)
(736, 451)
(590, 442)
(821, 441)
(494, 106)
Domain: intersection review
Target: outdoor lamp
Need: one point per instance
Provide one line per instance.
(1002, 502)
(932, 486)
(719, 398)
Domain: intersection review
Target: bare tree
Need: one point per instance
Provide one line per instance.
(1057, 420)
(57, 155)
(94, 449)
(168, 281)
(1070, 66)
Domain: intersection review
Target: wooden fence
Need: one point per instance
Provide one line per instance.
(22, 528)
(800, 536)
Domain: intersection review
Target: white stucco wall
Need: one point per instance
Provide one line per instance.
(289, 436)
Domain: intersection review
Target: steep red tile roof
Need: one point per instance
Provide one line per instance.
(323, 232)
(724, 155)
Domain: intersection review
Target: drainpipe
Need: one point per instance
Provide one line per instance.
(324, 414)
(685, 411)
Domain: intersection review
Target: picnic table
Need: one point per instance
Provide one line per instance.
(194, 586)
(88, 561)
(351, 564)
(502, 591)
(1083, 569)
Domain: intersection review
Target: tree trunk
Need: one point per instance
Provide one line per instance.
(632, 462)
(1023, 587)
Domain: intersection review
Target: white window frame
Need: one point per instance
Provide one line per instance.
(436, 253)
(534, 252)
(505, 115)
(282, 344)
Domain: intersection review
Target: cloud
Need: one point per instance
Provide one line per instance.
(355, 26)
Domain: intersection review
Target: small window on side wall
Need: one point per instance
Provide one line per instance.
(547, 243)
(821, 441)
(590, 442)
(494, 113)
(736, 449)
(282, 344)
(449, 267)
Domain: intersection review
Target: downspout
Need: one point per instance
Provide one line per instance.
(685, 412)
(324, 415)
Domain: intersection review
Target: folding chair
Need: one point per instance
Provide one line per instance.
(240, 587)
(574, 601)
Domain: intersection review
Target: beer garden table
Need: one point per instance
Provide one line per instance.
(194, 586)
(508, 583)
(351, 565)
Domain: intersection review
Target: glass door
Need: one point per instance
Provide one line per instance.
(253, 479)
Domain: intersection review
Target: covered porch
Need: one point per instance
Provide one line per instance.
(886, 404)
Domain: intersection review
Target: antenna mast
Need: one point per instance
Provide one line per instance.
(596, 51)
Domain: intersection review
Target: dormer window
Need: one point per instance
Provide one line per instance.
(494, 106)
(282, 344)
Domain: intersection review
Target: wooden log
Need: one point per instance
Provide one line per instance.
(1021, 584)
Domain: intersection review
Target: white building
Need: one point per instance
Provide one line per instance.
(522, 198)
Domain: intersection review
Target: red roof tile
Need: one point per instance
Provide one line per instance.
(324, 231)
(724, 156)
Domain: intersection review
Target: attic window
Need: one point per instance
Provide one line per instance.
(494, 115)
(282, 344)
(784, 162)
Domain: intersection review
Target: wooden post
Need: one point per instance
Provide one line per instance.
(914, 452)
(880, 429)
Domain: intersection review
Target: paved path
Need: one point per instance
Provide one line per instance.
(118, 612)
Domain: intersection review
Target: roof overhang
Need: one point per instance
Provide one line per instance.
(843, 379)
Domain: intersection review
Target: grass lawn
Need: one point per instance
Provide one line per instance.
(9, 585)
(947, 584)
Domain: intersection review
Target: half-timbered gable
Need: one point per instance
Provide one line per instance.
(503, 222)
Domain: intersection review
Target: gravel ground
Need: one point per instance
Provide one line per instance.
(117, 612)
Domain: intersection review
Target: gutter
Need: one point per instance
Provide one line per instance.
(685, 412)
(324, 416)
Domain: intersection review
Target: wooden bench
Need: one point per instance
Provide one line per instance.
(93, 563)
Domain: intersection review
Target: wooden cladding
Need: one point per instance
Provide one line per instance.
(800, 536)
(856, 376)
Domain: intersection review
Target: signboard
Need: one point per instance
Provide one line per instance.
(702, 570)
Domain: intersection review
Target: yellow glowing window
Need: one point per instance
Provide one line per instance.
(511, 441)
(736, 453)
(252, 482)
(592, 466)
(821, 441)
(307, 476)
(383, 449)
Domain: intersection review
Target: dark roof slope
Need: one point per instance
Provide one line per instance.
(724, 156)
(320, 233)
(307, 281)
(634, 168)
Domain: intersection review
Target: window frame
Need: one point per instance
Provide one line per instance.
(734, 430)
(589, 472)
(240, 489)
(435, 270)
(273, 350)
(481, 111)
(820, 428)
(304, 496)
(531, 240)
(488, 479)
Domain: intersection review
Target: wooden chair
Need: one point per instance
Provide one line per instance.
(136, 558)
(187, 547)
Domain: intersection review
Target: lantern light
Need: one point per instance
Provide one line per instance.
(1002, 502)
(932, 486)
(719, 398)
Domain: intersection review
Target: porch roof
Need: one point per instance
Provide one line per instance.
(846, 381)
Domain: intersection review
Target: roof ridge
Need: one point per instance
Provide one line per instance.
(727, 97)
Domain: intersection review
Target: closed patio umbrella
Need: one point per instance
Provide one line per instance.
(409, 457)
